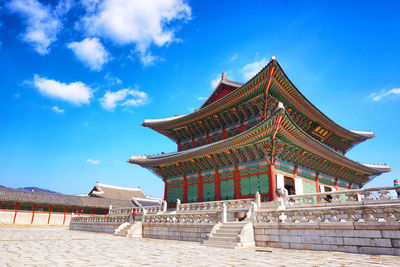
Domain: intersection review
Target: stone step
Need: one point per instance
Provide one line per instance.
(221, 244)
(228, 230)
(223, 238)
(223, 234)
(231, 226)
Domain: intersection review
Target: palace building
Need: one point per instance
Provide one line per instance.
(256, 137)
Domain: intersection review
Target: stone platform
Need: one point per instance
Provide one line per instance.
(34, 246)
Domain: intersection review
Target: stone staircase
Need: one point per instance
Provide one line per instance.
(231, 235)
(122, 230)
(129, 229)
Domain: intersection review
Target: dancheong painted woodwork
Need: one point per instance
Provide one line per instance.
(256, 137)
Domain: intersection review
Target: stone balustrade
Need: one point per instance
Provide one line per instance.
(139, 210)
(189, 218)
(100, 219)
(120, 211)
(361, 213)
(231, 205)
(348, 197)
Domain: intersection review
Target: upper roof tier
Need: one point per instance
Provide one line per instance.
(233, 102)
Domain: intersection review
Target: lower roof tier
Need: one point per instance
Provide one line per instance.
(275, 138)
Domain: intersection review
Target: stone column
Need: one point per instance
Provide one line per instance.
(224, 213)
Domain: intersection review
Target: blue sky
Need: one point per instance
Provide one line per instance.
(77, 78)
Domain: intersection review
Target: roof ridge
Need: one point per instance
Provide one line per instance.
(119, 187)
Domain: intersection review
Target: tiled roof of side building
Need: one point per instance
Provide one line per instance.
(15, 195)
(116, 192)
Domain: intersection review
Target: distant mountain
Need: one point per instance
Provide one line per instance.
(33, 189)
(37, 189)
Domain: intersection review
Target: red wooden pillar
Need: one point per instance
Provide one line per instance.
(336, 183)
(79, 211)
(16, 211)
(272, 181)
(200, 192)
(92, 212)
(50, 208)
(217, 186)
(316, 182)
(65, 213)
(208, 138)
(33, 212)
(237, 182)
(179, 147)
(223, 133)
(184, 200)
(193, 143)
(349, 186)
(165, 190)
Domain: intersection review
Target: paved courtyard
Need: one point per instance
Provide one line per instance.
(33, 246)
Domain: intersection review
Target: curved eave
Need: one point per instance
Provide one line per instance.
(302, 140)
(366, 134)
(325, 121)
(331, 154)
(382, 168)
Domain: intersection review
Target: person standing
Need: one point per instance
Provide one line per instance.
(396, 183)
(133, 215)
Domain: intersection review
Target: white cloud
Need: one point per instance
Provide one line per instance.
(385, 94)
(85, 124)
(191, 109)
(233, 58)
(76, 93)
(137, 22)
(42, 22)
(112, 80)
(214, 82)
(57, 109)
(124, 97)
(93, 161)
(251, 69)
(90, 52)
(201, 98)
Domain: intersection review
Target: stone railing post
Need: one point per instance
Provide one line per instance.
(258, 199)
(164, 206)
(224, 213)
(178, 203)
(109, 209)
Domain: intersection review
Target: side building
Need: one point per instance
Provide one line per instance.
(257, 136)
(39, 208)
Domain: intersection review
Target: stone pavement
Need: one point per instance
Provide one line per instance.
(34, 246)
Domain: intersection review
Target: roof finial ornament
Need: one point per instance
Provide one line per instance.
(273, 58)
(223, 76)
